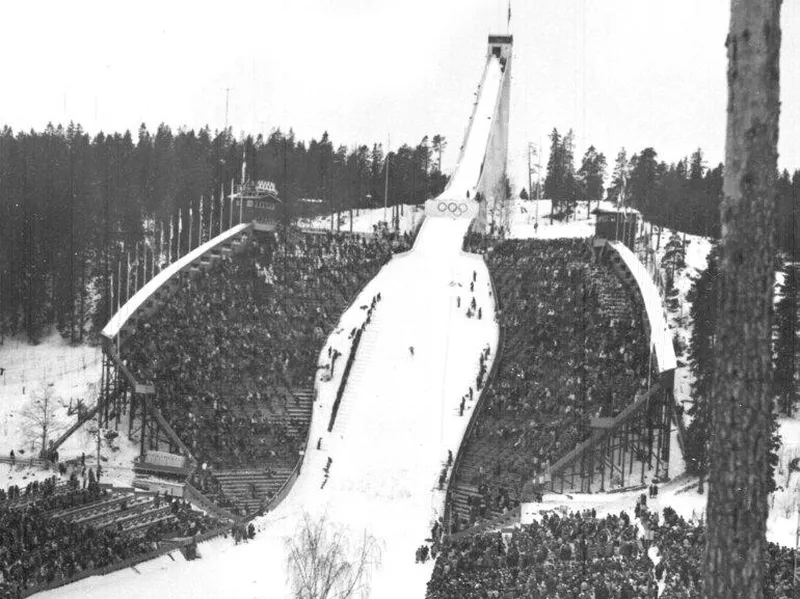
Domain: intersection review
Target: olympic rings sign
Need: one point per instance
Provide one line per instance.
(453, 208)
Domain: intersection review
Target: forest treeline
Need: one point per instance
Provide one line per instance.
(71, 204)
(683, 195)
(702, 351)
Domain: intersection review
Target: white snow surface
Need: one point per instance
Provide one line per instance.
(68, 372)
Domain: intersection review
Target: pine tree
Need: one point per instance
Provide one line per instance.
(618, 176)
(787, 343)
(554, 181)
(592, 176)
(703, 299)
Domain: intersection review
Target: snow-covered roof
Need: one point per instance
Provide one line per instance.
(606, 206)
(130, 307)
(660, 334)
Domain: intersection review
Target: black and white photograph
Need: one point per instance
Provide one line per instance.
(368, 299)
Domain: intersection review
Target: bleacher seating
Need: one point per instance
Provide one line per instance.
(52, 530)
(574, 348)
(233, 354)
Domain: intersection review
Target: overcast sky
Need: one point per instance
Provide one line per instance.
(631, 73)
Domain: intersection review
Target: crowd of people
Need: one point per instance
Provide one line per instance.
(40, 545)
(581, 555)
(573, 348)
(226, 350)
(37, 550)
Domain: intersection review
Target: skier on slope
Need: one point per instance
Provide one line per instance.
(411, 350)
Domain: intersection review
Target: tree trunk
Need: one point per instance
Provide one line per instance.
(741, 402)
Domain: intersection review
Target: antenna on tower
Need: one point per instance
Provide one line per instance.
(508, 21)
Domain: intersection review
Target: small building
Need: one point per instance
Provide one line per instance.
(617, 224)
(257, 202)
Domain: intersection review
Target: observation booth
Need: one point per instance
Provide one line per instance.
(257, 202)
(616, 224)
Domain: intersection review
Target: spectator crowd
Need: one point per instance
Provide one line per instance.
(573, 348)
(226, 351)
(41, 544)
(581, 555)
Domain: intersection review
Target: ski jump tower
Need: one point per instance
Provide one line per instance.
(476, 188)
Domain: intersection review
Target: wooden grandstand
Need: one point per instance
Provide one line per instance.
(616, 452)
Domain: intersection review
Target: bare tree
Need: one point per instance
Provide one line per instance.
(40, 418)
(741, 395)
(323, 562)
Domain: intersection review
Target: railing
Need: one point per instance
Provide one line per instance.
(273, 502)
(345, 375)
(204, 502)
(30, 462)
(476, 411)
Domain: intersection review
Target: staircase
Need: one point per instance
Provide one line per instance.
(249, 489)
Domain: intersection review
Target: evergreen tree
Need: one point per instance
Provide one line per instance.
(642, 184)
(554, 181)
(592, 176)
(787, 343)
(619, 175)
(703, 299)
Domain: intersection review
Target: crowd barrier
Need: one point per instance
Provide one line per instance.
(345, 375)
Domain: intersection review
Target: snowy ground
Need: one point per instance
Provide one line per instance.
(68, 373)
(364, 220)
(529, 219)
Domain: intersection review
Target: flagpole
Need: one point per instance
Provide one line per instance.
(111, 292)
(180, 228)
(136, 272)
(230, 212)
(161, 246)
(119, 283)
(127, 276)
(200, 223)
(191, 218)
(221, 205)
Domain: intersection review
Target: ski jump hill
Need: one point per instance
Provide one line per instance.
(385, 422)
